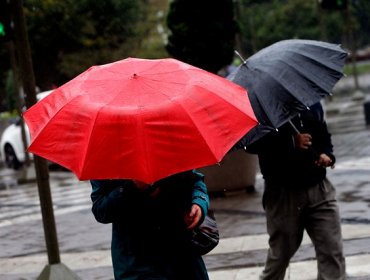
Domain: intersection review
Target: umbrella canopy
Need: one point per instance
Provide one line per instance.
(139, 119)
(286, 78)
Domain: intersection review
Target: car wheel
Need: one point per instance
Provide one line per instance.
(11, 159)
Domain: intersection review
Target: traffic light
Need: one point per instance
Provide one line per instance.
(333, 4)
(6, 30)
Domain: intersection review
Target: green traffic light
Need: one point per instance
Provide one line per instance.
(2, 30)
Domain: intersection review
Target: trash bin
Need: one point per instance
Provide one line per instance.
(367, 112)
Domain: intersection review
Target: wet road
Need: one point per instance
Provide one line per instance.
(84, 244)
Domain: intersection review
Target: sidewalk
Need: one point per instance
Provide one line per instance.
(242, 221)
(85, 244)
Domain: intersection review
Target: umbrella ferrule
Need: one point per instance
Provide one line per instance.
(240, 56)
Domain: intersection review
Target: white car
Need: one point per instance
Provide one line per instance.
(12, 150)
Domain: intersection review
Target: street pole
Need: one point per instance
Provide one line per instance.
(348, 19)
(19, 104)
(238, 41)
(55, 270)
(321, 15)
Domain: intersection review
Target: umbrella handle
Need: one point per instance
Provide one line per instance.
(294, 127)
(316, 154)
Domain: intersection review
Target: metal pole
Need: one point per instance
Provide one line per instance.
(19, 105)
(358, 94)
(238, 39)
(321, 15)
(42, 172)
(55, 270)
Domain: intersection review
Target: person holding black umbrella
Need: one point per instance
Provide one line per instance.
(298, 196)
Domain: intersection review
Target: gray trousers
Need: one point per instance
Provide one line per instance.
(291, 211)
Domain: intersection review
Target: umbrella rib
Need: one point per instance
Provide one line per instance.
(261, 104)
(266, 108)
(88, 142)
(330, 84)
(306, 78)
(197, 127)
(306, 54)
(288, 46)
(145, 149)
(222, 128)
(54, 115)
(194, 100)
(93, 128)
(163, 72)
(172, 100)
(330, 66)
(159, 80)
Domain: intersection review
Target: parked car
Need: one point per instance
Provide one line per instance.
(11, 144)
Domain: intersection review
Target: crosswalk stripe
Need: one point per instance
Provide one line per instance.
(356, 266)
(37, 216)
(260, 241)
(25, 209)
(35, 263)
(23, 204)
(31, 194)
(362, 163)
(29, 201)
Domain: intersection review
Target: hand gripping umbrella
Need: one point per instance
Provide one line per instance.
(139, 119)
(286, 78)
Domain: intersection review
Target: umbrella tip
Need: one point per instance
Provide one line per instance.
(134, 76)
(240, 56)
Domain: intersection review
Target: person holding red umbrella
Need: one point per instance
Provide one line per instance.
(141, 120)
(151, 225)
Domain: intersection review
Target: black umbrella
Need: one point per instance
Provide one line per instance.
(286, 78)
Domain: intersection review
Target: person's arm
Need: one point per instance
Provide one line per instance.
(324, 158)
(323, 146)
(109, 198)
(200, 202)
(326, 146)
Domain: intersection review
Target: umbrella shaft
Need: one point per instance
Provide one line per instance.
(294, 127)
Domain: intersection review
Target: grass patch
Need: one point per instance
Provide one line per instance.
(8, 115)
(361, 68)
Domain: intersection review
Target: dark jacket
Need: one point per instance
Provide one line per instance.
(284, 164)
(149, 238)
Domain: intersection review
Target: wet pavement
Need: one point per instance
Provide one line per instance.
(84, 244)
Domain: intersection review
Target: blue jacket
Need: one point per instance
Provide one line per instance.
(149, 236)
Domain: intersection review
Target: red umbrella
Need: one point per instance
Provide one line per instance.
(139, 119)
